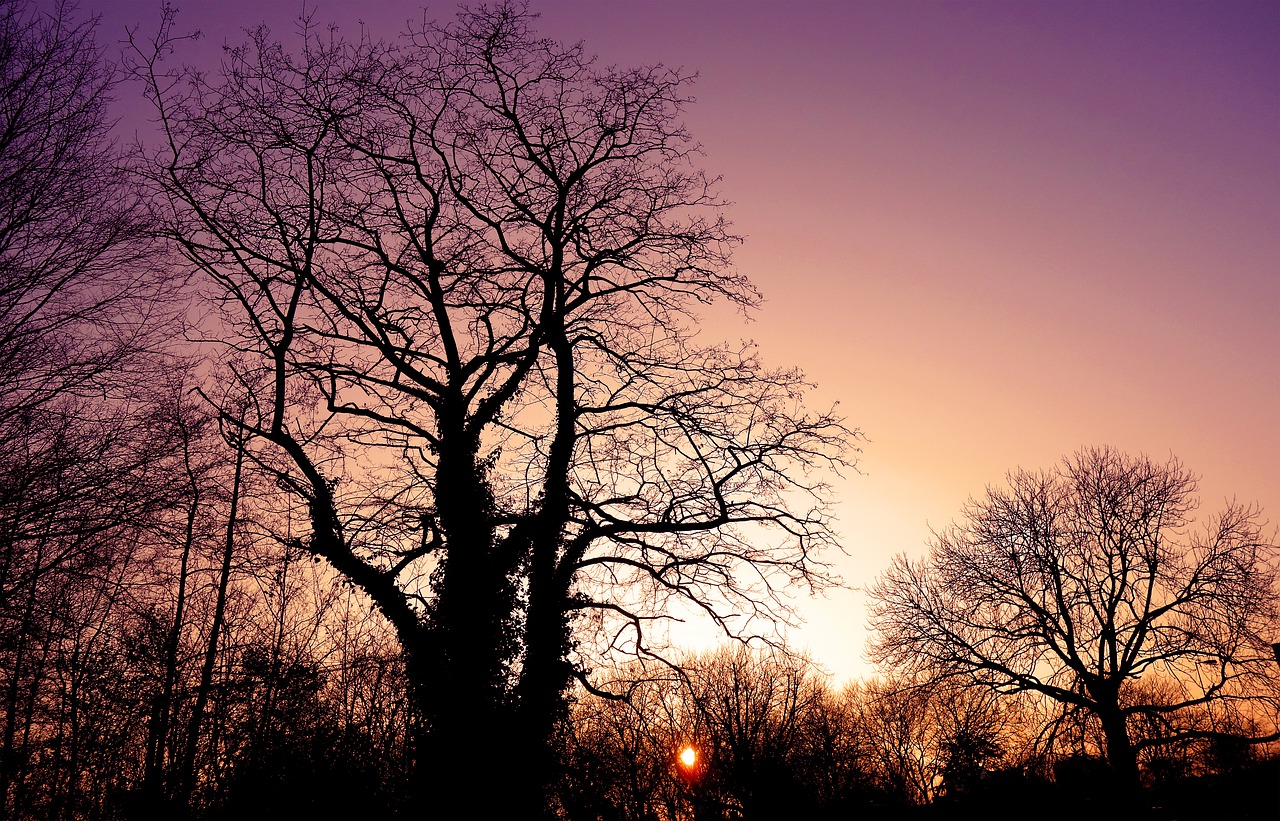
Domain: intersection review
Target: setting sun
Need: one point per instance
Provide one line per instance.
(688, 756)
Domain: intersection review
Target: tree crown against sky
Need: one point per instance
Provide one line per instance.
(79, 303)
(75, 286)
(1078, 582)
(457, 279)
(85, 441)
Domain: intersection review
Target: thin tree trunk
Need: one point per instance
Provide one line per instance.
(153, 788)
(9, 757)
(188, 774)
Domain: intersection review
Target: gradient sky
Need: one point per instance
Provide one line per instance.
(994, 232)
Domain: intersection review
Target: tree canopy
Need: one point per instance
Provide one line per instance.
(457, 277)
(1078, 582)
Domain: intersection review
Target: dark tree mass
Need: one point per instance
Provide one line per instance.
(356, 436)
(456, 275)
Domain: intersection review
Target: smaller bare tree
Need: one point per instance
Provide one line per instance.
(1074, 583)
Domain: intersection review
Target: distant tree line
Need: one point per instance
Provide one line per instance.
(356, 442)
(775, 739)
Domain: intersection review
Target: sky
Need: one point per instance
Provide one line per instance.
(994, 232)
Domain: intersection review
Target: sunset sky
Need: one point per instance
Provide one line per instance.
(994, 232)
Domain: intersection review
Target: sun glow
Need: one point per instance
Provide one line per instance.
(688, 756)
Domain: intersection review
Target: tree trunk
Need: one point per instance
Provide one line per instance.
(458, 665)
(546, 672)
(1121, 756)
(9, 755)
(464, 753)
(540, 693)
(188, 775)
(153, 784)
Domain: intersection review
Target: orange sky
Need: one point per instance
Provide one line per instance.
(994, 232)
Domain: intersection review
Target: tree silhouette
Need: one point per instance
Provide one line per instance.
(74, 283)
(750, 709)
(459, 274)
(922, 741)
(770, 740)
(78, 451)
(1076, 582)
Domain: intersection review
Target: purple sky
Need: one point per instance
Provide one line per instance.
(995, 232)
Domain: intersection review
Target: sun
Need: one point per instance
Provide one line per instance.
(688, 756)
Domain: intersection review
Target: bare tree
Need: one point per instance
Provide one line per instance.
(73, 287)
(619, 754)
(925, 741)
(1074, 583)
(69, 233)
(461, 273)
(186, 780)
(77, 449)
(750, 710)
(767, 740)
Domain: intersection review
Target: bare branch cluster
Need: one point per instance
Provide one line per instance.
(1077, 582)
(457, 278)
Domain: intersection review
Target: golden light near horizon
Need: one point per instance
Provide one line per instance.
(688, 756)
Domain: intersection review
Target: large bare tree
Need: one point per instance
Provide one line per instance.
(458, 274)
(1076, 582)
